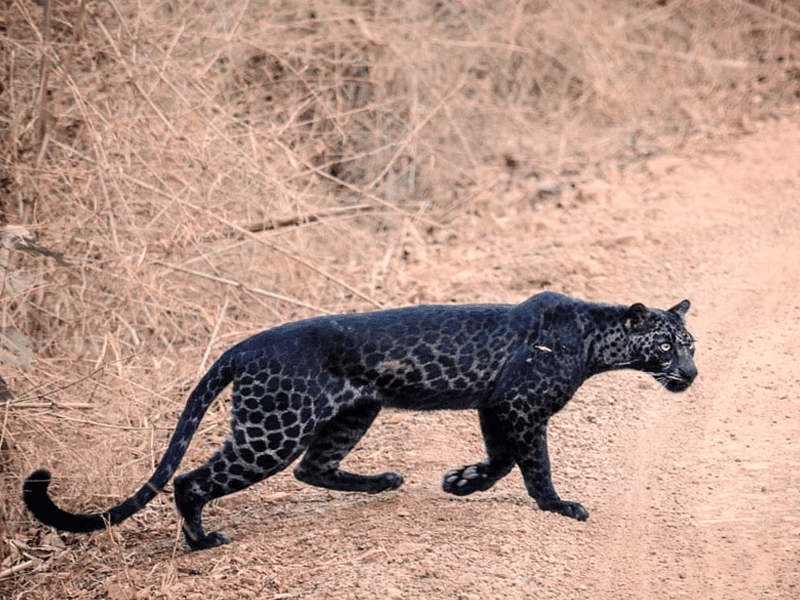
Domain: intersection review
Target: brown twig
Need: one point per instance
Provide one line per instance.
(242, 286)
(44, 74)
(297, 220)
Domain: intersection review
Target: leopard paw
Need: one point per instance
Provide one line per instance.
(572, 510)
(211, 540)
(386, 482)
(467, 480)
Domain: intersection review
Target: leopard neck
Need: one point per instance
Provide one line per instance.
(605, 338)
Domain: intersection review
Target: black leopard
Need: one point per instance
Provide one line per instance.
(315, 386)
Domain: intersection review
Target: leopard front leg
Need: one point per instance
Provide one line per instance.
(483, 475)
(535, 384)
(530, 449)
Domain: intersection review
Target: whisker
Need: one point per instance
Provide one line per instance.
(662, 375)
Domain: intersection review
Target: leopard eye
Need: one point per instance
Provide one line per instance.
(666, 347)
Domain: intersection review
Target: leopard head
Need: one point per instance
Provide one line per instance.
(660, 345)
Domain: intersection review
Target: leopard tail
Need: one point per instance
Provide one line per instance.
(34, 490)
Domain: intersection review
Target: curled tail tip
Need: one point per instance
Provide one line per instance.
(38, 502)
(35, 496)
(37, 482)
(34, 491)
(39, 476)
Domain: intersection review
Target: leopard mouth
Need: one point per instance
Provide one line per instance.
(674, 382)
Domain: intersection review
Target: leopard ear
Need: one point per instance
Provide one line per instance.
(637, 317)
(681, 308)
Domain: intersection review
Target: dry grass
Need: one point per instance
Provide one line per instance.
(210, 169)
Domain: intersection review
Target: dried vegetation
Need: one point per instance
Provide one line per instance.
(176, 176)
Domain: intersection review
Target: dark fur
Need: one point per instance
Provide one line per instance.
(315, 386)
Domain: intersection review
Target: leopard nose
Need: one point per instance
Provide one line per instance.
(688, 371)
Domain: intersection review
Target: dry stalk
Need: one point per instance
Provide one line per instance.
(239, 285)
(212, 338)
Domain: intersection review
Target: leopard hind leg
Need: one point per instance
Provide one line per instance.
(320, 465)
(238, 464)
(483, 475)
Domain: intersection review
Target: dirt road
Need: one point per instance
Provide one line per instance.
(695, 495)
(712, 477)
